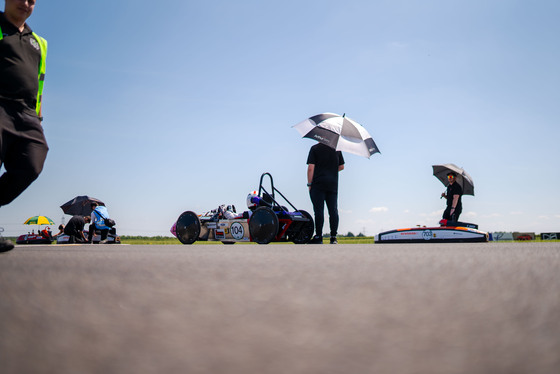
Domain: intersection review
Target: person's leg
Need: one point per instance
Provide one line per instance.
(446, 214)
(456, 214)
(23, 150)
(73, 235)
(318, 200)
(332, 207)
(91, 232)
(5, 244)
(104, 234)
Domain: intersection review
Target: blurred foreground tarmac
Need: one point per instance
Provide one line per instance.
(254, 309)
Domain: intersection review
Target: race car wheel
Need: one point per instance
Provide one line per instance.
(306, 232)
(188, 227)
(263, 225)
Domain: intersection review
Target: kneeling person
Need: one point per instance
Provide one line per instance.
(99, 215)
(75, 229)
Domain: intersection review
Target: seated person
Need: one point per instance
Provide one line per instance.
(254, 200)
(47, 234)
(229, 212)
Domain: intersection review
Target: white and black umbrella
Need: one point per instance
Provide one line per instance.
(464, 180)
(338, 132)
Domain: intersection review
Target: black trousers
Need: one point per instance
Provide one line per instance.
(23, 150)
(92, 229)
(453, 218)
(318, 198)
(75, 236)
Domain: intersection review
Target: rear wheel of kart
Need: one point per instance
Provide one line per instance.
(306, 232)
(263, 225)
(188, 227)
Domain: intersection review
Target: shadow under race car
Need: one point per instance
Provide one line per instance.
(266, 221)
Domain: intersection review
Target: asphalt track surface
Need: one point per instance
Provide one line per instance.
(375, 308)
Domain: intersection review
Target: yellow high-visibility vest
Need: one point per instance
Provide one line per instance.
(42, 67)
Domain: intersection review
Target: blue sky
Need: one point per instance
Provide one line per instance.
(160, 107)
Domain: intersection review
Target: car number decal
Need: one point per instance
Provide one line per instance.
(427, 234)
(237, 230)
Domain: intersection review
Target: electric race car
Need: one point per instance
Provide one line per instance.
(266, 221)
(447, 232)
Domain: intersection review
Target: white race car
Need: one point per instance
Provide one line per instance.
(446, 232)
(264, 222)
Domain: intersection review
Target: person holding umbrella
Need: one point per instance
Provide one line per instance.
(323, 165)
(453, 195)
(458, 183)
(334, 133)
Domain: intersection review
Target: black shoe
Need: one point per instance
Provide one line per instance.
(317, 239)
(6, 245)
(333, 240)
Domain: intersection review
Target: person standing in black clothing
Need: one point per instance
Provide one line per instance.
(75, 229)
(323, 165)
(23, 147)
(453, 195)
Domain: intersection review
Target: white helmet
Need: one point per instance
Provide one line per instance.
(252, 200)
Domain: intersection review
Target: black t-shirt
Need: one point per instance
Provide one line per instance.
(75, 225)
(326, 161)
(20, 57)
(454, 189)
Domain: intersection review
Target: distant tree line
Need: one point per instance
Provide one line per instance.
(351, 235)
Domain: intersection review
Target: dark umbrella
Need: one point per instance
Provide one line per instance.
(80, 205)
(338, 132)
(464, 180)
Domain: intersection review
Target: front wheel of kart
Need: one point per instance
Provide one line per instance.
(263, 225)
(305, 234)
(188, 227)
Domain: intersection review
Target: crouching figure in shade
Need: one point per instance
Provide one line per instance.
(75, 229)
